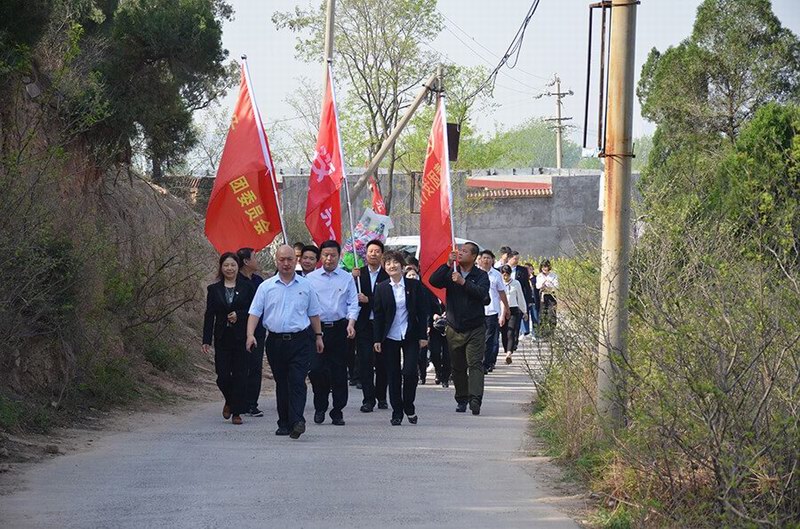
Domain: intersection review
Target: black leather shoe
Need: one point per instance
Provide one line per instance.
(413, 419)
(366, 409)
(319, 417)
(353, 382)
(475, 406)
(359, 386)
(397, 422)
(283, 430)
(298, 429)
(338, 421)
(383, 405)
(461, 407)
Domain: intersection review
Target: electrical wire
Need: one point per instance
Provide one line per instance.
(487, 49)
(512, 53)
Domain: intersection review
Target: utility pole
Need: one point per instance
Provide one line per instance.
(430, 84)
(614, 275)
(558, 94)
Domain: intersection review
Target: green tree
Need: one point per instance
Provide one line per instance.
(737, 59)
(165, 60)
(758, 182)
(378, 51)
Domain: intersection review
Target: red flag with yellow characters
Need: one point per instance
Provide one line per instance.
(243, 211)
(435, 212)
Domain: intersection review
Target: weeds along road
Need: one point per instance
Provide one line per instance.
(196, 471)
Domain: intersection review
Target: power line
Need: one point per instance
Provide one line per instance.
(513, 51)
(493, 54)
(487, 61)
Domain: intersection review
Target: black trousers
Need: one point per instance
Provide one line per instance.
(353, 366)
(230, 363)
(372, 374)
(509, 331)
(402, 384)
(255, 365)
(422, 362)
(329, 370)
(547, 317)
(440, 355)
(290, 359)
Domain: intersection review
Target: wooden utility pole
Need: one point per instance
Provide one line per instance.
(430, 84)
(559, 126)
(614, 276)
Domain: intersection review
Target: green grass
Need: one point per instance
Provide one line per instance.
(110, 381)
(166, 357)
(11, 413)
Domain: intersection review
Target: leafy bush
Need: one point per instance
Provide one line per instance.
(110, 381)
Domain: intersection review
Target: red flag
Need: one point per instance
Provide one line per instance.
(323, 207)
(243, 209)
(435, 225)
(378, 206)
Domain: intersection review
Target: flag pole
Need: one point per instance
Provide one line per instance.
(264, 147)
(446, 147)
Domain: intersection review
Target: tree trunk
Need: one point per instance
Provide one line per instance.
(387, 200)
(158, 175)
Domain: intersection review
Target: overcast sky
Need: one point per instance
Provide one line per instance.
(555, 42)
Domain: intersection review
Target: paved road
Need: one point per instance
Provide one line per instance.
(196, 471)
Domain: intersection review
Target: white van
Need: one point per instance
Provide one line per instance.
(410, 244)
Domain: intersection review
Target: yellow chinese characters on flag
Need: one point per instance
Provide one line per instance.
(243, 209)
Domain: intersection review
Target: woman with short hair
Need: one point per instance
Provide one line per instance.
(547, 283)
(509, 331)
(400, 325)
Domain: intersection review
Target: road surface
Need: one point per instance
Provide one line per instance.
(193, 470)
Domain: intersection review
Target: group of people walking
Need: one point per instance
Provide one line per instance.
(374, 325)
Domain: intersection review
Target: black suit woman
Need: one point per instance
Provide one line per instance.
(401, 323)
(227, 304)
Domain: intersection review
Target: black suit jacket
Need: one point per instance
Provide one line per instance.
(217, 309)
(366, 289)
(386, 308)
(521, 274)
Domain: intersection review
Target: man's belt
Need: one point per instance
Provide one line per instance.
(337, 323)
(288, 336)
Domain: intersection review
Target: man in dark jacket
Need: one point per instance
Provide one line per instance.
(467, 290)
(372, 372)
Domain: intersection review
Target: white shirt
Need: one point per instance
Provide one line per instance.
(514, 292)
(549, 282)
(495, 287)
(400, 324)
(373, 278)
(285, 307)
(337, 294)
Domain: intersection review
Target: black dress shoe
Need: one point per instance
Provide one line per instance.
(461, 407)
(353, 382)
(445, 384)
(397, 422)
(413, 419)
(437, 381)
(338, 421)
(298, 429)
(475, 406)
(359, 386)
(319, 417)
(282, 430)
(383, 405)
(366, 408)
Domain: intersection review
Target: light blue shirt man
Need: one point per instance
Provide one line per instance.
(285, 307)
(337, 294)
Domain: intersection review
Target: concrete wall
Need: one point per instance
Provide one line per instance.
(541, 226)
